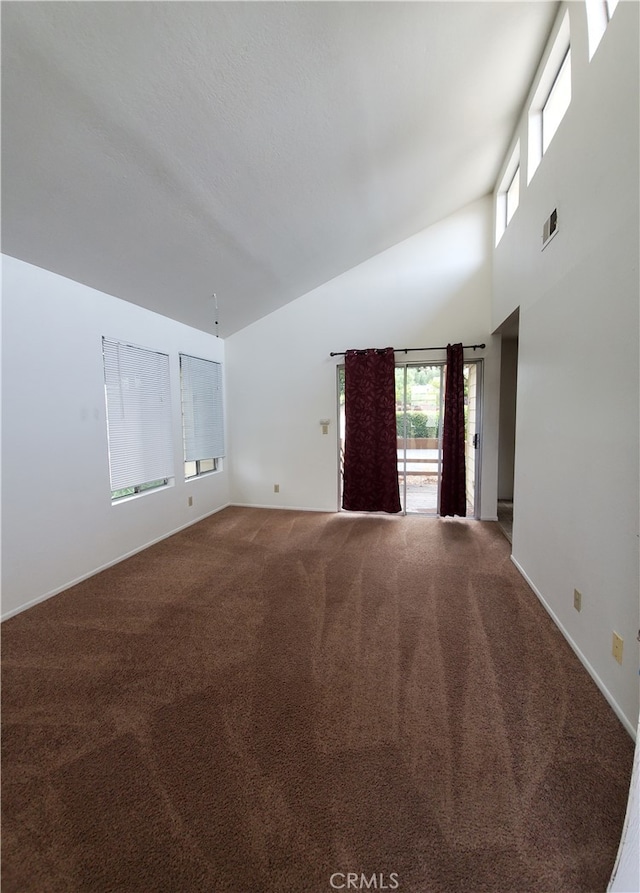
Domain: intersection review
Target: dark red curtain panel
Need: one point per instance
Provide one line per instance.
(453, 486)
(370, 480)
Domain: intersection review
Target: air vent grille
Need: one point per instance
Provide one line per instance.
(550, 227)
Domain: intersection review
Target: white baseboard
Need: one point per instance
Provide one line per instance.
(583, 660)
(104, 567)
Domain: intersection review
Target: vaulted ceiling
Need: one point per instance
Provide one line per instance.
(161, 152)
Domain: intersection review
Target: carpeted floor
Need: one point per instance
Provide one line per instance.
(270, 700)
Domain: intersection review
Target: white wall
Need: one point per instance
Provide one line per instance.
(576, 512)
(58, 521)
(432, 289)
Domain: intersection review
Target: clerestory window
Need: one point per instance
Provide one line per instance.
(557, 102)
(599, 14)
(551, 98)
(508, 196)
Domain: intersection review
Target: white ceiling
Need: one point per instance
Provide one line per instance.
(161, 152)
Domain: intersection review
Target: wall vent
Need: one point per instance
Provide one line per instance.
(550, 228)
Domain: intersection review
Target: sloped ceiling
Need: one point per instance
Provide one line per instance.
(161, 152)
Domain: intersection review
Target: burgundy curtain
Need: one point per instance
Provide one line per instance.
(453, 495)
(370, 479)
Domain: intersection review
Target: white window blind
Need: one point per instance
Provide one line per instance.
(138, 414)
(202, 408)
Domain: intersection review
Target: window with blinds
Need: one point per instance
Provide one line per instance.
(138, 398)
(202, 415)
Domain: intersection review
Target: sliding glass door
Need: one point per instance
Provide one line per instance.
(419, 415)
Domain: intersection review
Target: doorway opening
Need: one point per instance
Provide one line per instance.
(420, 389)
(507, 422)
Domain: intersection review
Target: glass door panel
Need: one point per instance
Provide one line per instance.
(419, 414)
(401, 384)
(472, 433)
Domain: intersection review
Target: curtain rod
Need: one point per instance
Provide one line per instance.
(407, 349)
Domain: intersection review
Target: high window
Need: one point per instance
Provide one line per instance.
(551, 98)
(138, 400)
(513, 194)
(599, 14)
(557, 102)
(508, 197)
(202, 415)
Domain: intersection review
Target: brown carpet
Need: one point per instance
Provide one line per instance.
(270, 699)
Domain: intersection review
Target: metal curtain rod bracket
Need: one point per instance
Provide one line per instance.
(338, 353)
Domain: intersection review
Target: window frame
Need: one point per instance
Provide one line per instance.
(199, 472)
(138, 488)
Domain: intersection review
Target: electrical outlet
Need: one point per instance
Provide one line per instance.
(616, 648)
(190, 501)
(276, 488)
(577, 600)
